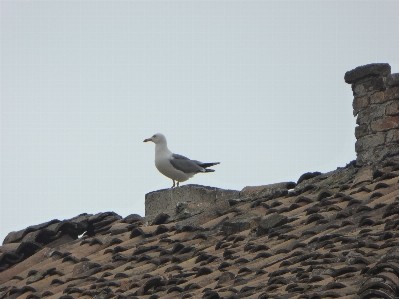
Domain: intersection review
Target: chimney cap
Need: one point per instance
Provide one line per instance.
(368, 70)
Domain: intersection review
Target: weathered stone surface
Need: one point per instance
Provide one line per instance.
(360, 103)
(365, 157)
(368, 70)
(392, 136)
(385, 124)
(187, 200)
(256, 189)
(392, 108)
(384, 96)
(370, 113)
(362, 130)
(272, 221)
(369, 141)
(392, 93)
(393, 80)
(389, 152)
(377, 97)
(240, 223)
(382, 153)
(367, 87)
(267, 191)
(365, 174)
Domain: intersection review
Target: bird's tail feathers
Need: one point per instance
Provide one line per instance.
(205, 165)
(209, 170)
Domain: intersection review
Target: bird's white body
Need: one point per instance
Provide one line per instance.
(162, 162)
(176, 167)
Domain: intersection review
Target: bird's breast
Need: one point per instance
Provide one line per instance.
(162, 162)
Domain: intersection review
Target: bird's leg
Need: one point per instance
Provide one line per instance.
(173, 184)
(178, 183)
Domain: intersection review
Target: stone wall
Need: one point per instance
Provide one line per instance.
(189, 201)
(376, 104)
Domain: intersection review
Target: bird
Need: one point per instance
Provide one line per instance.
(174, 166)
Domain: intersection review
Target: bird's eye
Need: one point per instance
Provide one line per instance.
(154, 136)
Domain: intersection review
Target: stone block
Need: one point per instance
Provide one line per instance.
(368, 70)
(369, 157)
(382, 153)
(392, 108)
(370, 113)
(359, 103)
(377, 97)
(364, 158)
(362, 130)
(363, 88)
(393, 153)
(370, 141)
(392, 93)
(267, 191)
(393, 80)
(386, 152)
(385, 124)
(365, 174)
(392, 136)
(187, 200)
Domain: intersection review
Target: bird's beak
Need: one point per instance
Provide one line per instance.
(148, 139)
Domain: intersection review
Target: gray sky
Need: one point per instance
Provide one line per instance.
(255, 85)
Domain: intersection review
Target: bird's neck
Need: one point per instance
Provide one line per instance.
(162, 148)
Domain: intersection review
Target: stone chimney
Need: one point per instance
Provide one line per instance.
(376, 104)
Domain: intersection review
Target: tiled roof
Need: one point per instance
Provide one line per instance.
(331, 235)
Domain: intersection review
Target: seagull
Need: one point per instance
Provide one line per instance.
(174, 166)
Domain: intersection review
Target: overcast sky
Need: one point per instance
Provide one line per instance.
(255, 85)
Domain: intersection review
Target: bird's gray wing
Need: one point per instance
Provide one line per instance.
(185, 164)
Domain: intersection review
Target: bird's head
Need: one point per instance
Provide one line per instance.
(156, 138)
